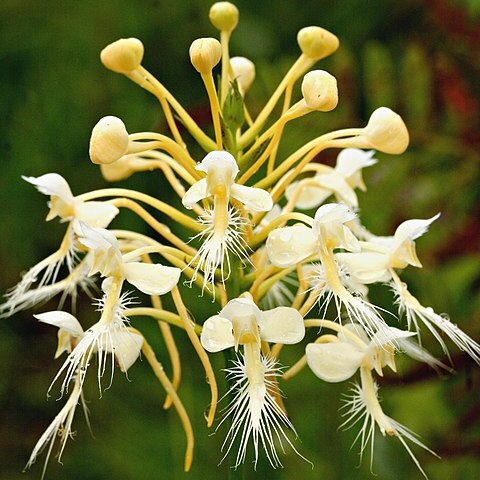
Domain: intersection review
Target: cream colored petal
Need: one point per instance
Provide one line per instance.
(64, 343)
(348, 240)
(351, 160)
(63, 320)
(95, 238)
(412, 229)
(281, 325)
(240, 307)
(309, 197)
(365, 267)
(337, 183)
(333, 362)
(68, 328)
(333, 213)
(52, 184)
(127, 348)
(151, 279)
(288, 246)
(104, 245)
(219, 159)
(96, 214)
(254, 199)
(197, 192)
(217, 334)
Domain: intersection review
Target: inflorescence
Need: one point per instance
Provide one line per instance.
(254, 248)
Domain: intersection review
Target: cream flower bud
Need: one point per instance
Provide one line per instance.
(316, 42)
(386, 131)
(123, 56)
(205, 53)
(109, 140)
(224, 16)
(319, 90)
(243, 71)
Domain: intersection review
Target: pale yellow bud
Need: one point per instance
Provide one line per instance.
(109, 140)
(123, 56)
(224, 16)
(205, 53)
(243, 71)
(316, 42)
(386, 131)
(319, 90)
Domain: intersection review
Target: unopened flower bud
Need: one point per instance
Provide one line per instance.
(123, 56)
(316, 42)
(386, 131)
(205, 53)
(319, 90)
(243, 71)
(109, 140)
(224, 16)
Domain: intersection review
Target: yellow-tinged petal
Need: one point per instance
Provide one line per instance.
(62, 320)
(254, 199)
(61, 197)
(281, 325)
(69, 328)
(127, 348)
(95, 214)
(151, 279)
(288, 246)
(198, 191)
(333, 362)
(365, 267)
(310, 196)
(217, 334)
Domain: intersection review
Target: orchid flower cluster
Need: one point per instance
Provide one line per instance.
(274, 241)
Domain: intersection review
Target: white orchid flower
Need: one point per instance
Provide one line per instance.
(381, 254)
(152, 279)
(224, 223)
(44, 274)
(108, 337)
(64, 205)
(241, 322)
(340, 181)
(337, 361)
(289, 246)
(377, 261)
(352, 350)
(254, 409)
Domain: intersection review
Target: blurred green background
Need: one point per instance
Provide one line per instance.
(418, 57)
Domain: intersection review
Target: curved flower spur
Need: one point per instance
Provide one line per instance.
(248, 243)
